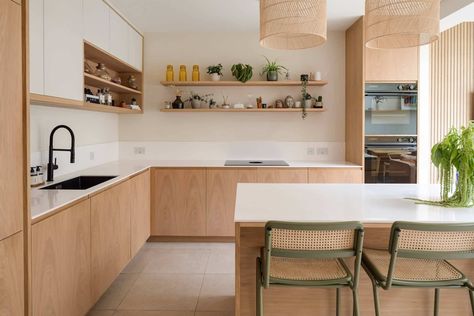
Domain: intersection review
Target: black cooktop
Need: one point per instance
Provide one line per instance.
(256, 163)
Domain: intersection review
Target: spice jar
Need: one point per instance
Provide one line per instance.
(196, 75)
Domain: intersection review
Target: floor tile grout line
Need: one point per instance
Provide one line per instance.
(121, 301)
(202, 284)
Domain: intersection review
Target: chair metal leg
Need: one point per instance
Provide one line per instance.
(471, 297)
(355, 302)
(376, 298)
(338, 301)
(436, 302)
(259, 289)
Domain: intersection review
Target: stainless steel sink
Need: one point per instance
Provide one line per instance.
(243, 163)
(79, 183)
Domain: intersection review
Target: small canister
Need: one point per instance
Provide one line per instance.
(196, 75)
(169, 73)
(183, 76)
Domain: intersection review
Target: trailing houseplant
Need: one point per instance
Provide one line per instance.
(305, 95)
(272, 69)
(242, 72)
(215, 71)
(454, 159)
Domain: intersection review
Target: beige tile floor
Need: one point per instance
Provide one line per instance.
(174, 279)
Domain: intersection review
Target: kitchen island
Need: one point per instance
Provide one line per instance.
(377, 206)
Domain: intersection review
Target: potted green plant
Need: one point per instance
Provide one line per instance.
(215, 71)
(197, 99)
(242, 72)
(319, 103)
(272, 69)
(454, 159)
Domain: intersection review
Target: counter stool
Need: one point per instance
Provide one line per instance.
(417, 257)
(310, 255)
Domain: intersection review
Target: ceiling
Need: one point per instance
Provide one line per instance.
(218, 15)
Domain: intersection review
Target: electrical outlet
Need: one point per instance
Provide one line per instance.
(310, 151)
(91, 155)
(322, 151)
(139, 150)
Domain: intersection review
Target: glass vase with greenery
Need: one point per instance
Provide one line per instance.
(272, 69)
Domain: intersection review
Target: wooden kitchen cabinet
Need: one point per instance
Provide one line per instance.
(119, 33)
(178, 202)
(11, 272)
(221, 193)
(110, 236)
(335, 175)
(96, 17)
(282, 175)
(61, 256)
(396, 65)
(140, 211)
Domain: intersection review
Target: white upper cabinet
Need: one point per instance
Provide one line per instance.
(36, 46)
(119, 32)
(135, 48)
(96, 17)
(63, 49)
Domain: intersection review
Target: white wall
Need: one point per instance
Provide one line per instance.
(228, 48)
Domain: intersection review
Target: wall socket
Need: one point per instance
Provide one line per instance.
(139, 150)
(310, 151)
(91, 155)
(322, 151)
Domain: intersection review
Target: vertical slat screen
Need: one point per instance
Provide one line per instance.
(452, 82)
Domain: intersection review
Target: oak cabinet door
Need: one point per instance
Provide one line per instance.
(282, 175)
(61, 254)
(11, 273)
(96, 23)
(110, 236)
(140, 211)
(221, 193)
(391, 64)
(335, 175)
(178, 202)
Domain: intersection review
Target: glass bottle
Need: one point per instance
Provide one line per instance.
(169, 73)
(196, 74)
(108, 97)
(183, 76)
(178, 103)
(101, 72)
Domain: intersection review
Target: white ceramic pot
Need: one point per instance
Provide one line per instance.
(308, 103)
(196, 104)
(215, 77)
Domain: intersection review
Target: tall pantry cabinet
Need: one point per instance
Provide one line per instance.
(13, 158)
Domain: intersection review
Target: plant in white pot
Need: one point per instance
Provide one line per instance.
(197, 100)
(215, 72)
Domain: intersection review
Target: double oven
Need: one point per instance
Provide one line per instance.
(391, 132)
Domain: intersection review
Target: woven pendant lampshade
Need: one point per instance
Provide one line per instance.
(401, 23)
(292, 24)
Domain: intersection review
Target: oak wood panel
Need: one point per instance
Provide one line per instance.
(283, 301)
(110, 236)
(61, 257)
(254, 83)
(253, 110)
(355, 93)
(282, 175)
(11, 120)
(391, 64)
(11, 274)
(140, 211)
(221, 193)
(178, 202)
(335, 175)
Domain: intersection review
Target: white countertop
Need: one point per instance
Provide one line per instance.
(45, 201)
(367, 203)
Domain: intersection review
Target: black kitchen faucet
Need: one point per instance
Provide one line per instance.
(53, 166)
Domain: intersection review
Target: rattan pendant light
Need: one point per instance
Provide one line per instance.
(401, 23)
(292, 24)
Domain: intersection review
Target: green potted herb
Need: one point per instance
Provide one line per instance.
(215, 71)
(272, 69)
(242, 72)
(454, 159)
(197, 99)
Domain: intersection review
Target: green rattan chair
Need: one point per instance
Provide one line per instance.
(417, 257)
(310, 255)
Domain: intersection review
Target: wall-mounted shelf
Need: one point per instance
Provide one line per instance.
(222, 83)
(95, 81)
(37, 99)
(273, 110)
(98, 55)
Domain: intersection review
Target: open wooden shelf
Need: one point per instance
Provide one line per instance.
(98, 55)
(222, 83)
(95, 81)
(37, 99)
(242, 110)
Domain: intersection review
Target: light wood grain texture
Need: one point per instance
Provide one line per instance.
(11, 120)
(452, 82)
(221, 192)
(61, 256)
(335, 175)
(282, 175)
(284, 301)
(178, 202)
(272, 110)
(96, 54)
(355, 93)
(110, 236)
(256, 83)
(140, 211)
(11, 273)
(37, 99)
(391, 65)
(91, 80)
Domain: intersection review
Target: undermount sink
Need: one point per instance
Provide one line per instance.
(79, 183)
(256, 163)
